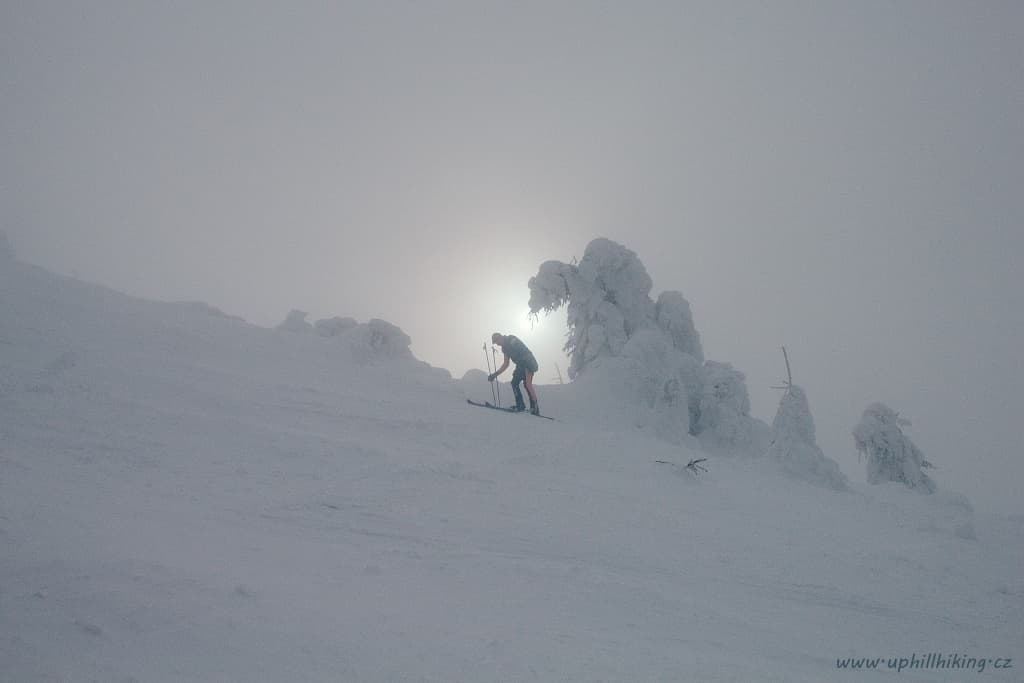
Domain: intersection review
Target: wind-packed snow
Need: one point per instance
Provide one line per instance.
(188, 497)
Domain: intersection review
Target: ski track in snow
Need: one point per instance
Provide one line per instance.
(185, 497)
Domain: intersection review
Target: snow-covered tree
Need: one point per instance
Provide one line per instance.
(378, 339)
(725, 420)
(794, 445)
(892, 456)
(295, 322)
(368, 342)
(608, 300)
(664, 379)
(610, 314)
(674, 318)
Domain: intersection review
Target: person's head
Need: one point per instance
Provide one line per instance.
(497, 338)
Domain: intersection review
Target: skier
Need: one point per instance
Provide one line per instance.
(515, 350)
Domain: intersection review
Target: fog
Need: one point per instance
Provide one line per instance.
(841, 178)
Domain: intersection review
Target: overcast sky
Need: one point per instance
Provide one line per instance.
(842, 178)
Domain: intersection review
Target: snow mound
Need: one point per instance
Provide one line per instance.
(474, 384)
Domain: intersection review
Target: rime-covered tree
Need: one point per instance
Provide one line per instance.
(370, 341)
(378, 339)
(891, 455)
(607, 294)
(608, 299)
(672, 313)
(610, 315)
(295, 322)
(725, 420)
(794, 445)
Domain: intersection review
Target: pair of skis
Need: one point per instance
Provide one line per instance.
(506, 410)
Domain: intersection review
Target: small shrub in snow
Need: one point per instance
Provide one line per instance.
(892, 456)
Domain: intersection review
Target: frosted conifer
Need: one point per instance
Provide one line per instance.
(892, 456)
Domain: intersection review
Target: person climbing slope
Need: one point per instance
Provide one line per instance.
(526, 365)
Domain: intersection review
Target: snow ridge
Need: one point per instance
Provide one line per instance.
(188, 497)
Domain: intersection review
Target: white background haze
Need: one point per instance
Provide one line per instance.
(841, 178)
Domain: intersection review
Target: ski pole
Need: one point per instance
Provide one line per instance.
(489, 371)
(494, 353)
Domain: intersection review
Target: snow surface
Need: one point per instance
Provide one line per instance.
(188, 497)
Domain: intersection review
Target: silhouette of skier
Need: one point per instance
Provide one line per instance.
(526, 365)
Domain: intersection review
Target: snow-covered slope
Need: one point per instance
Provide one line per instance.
(187, 497)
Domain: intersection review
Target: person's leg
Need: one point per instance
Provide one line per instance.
(528, 380)
(518, 376)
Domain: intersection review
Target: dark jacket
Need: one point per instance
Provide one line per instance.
(518, 353)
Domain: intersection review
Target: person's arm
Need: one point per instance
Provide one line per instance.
(504, 366)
